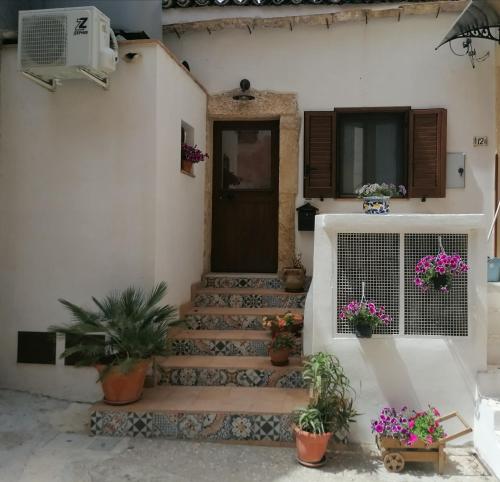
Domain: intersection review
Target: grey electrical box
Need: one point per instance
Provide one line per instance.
(455, 170)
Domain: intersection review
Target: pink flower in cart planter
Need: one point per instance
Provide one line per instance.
(412, 439)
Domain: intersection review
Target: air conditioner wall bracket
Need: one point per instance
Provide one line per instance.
(103, 82)
(50, 85)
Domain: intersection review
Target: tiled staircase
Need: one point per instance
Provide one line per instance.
(219, 384)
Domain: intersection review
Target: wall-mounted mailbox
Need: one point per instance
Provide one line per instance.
(306, 213)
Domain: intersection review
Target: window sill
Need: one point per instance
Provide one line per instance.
(187, 173)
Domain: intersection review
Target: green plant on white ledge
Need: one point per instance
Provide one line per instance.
(381, 190)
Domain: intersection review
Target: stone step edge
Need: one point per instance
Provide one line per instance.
(223, 335)
(248, 291)
(226, 362)
(271, 276)
(170, 394)
(230, 311)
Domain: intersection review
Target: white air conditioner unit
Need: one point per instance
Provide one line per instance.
(66, 43)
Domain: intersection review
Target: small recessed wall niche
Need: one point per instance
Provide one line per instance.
(36, 347)
(187, 137)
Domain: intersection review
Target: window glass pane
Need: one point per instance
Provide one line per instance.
(246, 158)
(352, 150)
(371, 149)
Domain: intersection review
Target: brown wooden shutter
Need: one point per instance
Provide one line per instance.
(427, 153)
(319, 154)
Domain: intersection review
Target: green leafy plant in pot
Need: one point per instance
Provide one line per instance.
(330, 411)
(133, 328)
(280, 347)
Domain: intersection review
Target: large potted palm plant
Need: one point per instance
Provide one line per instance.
(329, 413)
(133, 328)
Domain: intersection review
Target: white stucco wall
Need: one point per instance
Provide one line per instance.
(180, 201)
(86, 202)
(384, 63)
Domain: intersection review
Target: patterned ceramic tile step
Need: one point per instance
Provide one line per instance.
(248, 298)
(229, 371)
(214, 318)
(242, 280)
(224, 343)
(203, 413)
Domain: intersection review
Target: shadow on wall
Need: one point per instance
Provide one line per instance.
(390, 371)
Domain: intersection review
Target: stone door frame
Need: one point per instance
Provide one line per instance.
(266, 106)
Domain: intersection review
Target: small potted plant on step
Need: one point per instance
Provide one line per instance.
(294, 276)
(329, 413)
(291, 322)
(134, 328)
(280, 347)
(376, 197)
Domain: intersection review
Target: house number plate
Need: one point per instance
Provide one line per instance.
(480, 141)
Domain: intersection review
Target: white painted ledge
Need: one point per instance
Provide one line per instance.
(400, 223)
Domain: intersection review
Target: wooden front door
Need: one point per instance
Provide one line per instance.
(245, 197)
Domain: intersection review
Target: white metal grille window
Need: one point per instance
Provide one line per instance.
(434, 313)
(386, 263)
(372, 258)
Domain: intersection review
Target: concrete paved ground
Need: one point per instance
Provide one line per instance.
(44, 440)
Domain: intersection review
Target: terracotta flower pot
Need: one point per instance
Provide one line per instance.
(311, 447)
(294, 279)
(279, 357)
(123, 388)
(186, 166)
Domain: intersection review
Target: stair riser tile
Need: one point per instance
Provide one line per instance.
(281, 377)
(250, 301)
(193, 426)
(225, 347)
(242, 282)
(224, 322)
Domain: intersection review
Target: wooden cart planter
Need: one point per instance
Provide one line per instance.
(395, 454)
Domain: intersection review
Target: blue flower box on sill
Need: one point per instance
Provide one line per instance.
(376, 204)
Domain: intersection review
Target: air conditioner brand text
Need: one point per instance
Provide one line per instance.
(81, 26)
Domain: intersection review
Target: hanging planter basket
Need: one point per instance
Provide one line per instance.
(363, 331)
(437, 272)
(364, 316)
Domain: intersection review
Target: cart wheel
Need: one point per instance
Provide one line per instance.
(394, 462)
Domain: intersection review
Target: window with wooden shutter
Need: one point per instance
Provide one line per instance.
(384, 149)
(427, 156)
(319, 154)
